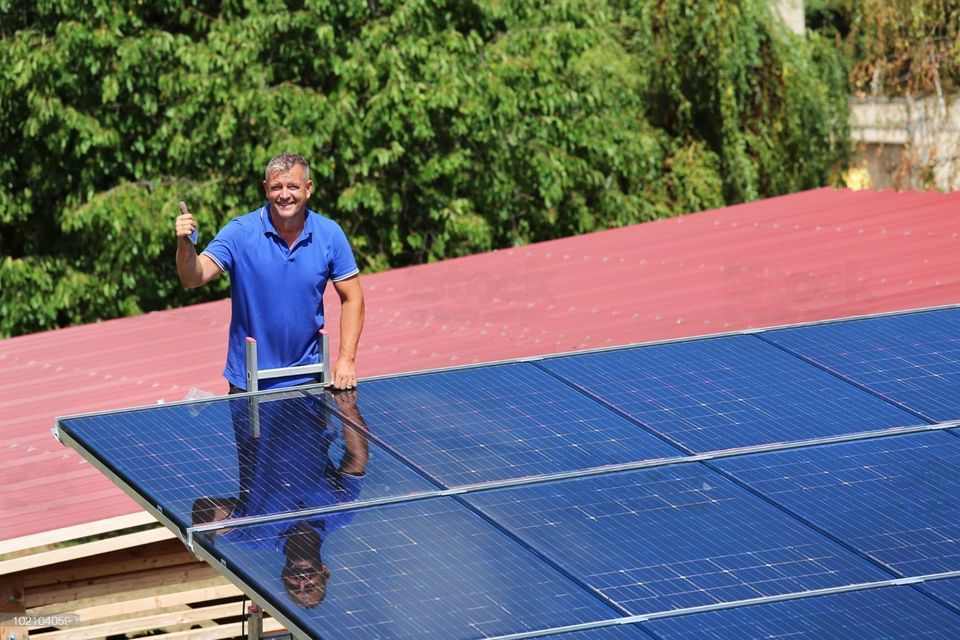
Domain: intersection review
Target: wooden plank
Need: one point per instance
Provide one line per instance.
(11, 603)
(219, 632)
(152, 603)
(74, 552)
(147, 623)
(89, 588)
(152, 556)
(77, 531)
(136, 597)
(11, 595)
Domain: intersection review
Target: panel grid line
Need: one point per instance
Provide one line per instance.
(615, 409)
(668, 341)
(570, 575)
(802, 520)
(391, 449)
(580, 473)
(736, 604)
(899, 405)
(955, 607)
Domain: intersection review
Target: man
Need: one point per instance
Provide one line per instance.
(280, 258)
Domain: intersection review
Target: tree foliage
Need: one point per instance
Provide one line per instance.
(435, 128)
(895, 47)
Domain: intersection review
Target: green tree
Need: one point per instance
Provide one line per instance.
(434, 128)
(903, 55)
(771, 106)
(894, 47)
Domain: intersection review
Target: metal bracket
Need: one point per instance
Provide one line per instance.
(255, 374)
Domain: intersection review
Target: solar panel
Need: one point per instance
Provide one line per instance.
(728, 392)
(913, 358)
(894, 500)
(894, 613)
(619, 632)
(172, 456)
(672, 538)
(487, 424)
(426, 569)
(946, 591)
(789, 483)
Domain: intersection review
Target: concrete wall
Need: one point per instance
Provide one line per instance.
(901, 143)
(908, 143)
(792, 13)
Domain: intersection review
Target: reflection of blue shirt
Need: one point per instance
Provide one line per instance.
(276, 291)
(288, 468)
(341, 488)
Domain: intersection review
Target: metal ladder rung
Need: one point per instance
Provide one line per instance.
(266, 374)
(255, 375)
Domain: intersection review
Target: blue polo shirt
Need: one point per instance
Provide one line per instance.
(277, 291)
(338, 488)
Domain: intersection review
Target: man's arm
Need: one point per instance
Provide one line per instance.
(351, 324)
(194, 270)
(356, 450)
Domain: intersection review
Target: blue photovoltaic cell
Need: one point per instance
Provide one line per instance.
(426, 569)
(672, 537)
(895, 499)
(911, 358)
(175, 455)
(728, 392)
(498, 422)
(616, 632)
(891, 613)
(946, 590)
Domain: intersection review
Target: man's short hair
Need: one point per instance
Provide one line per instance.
(283, 162)
(205, 509)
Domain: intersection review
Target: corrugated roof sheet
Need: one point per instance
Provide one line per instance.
(809, 256)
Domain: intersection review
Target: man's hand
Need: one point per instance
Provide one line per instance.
(193, 270)
(344, 374)
(186, 223)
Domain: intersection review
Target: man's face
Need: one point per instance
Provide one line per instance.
(288, 192)
(306, 582)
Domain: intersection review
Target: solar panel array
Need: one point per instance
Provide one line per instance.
(791, 483)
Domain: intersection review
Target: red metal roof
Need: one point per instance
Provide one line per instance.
(810, 256)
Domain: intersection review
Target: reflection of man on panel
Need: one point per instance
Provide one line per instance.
(287, 468)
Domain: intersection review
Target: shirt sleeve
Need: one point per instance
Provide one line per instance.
(342, 263)
(347, 485)
(222, 248)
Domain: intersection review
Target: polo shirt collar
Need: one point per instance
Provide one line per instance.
(267, 223)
